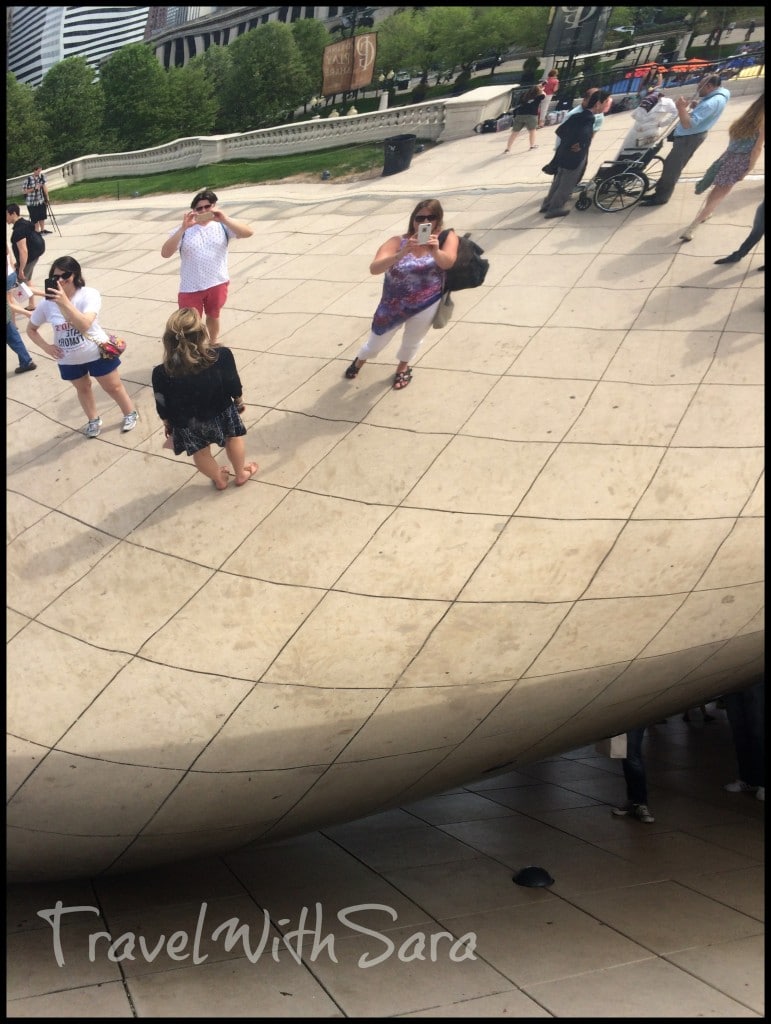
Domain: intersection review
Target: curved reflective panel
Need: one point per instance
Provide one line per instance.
(554, 533)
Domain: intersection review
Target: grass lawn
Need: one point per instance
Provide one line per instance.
(344, 162)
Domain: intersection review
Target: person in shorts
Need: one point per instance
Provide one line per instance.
(27, 245)
(202, 242)
(36, 191)
(72, 310)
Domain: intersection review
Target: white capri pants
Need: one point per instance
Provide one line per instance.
(415, 330)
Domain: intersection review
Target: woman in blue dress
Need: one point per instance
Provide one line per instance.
(412, 288)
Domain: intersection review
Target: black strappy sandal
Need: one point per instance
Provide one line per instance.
(352, 370)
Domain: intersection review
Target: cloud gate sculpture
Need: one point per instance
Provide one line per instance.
(554, 533)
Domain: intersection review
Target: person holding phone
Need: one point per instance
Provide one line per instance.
(413, 264)
(72, 310)
(202, 242)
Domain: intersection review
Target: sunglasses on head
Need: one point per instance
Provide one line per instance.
(200, 209)
(424, 216)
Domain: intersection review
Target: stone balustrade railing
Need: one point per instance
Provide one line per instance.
(445, 119)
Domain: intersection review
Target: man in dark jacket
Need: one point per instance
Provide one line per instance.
(575, 135)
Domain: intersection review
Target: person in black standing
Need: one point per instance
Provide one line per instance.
(575, 135)
(27, 244)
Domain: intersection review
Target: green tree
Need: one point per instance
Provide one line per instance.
(135, 94)
(216, 65)
(26, 141)
(69, 135)
(190, 106)
(311, 37)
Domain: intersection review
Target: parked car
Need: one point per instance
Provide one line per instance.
(486, 62)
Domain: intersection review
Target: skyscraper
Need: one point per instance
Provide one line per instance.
(40, 37)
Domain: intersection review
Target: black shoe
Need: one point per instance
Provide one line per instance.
(555, 213)
(46, 232)
(352, 370)
(25, 367)
(733, 258)
(652, 201)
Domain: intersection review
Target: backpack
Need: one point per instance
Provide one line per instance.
(36, 244)
(490, 125)
(469, 269)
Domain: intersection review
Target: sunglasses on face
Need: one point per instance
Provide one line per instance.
(419, 217)
(62, 277)
(200, 209)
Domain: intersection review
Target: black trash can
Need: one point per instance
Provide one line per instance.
(398, 153)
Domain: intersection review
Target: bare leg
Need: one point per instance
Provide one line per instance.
(235, 447)
(716, 195)
(213, 327)
(86, 396)
(115, 388)
(531, 133)
(204, 463)
(510, 143)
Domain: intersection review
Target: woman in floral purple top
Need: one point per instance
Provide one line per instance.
(412, 288)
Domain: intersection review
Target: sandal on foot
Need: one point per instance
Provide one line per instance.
(401, 380)
(352, 370)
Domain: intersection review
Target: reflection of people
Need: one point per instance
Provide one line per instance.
(653, 80)
(198, 396)
(752, 239)
(526, 116)
(696, 118)
(635, 778)
(746, 715)
(202, 240)
(551, 86)
(72, 310)
(412, 288)
(654, 113)
(599, 120)
(575, 135)
(36, 191)
(748, 33)
(746, 137)
(27, 244)
(12, 336)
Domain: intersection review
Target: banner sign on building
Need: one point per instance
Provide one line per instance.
(349, 64)
(575, 30)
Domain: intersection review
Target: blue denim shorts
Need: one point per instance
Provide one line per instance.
(97, 368)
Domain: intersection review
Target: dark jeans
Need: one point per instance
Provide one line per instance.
(682, 150)
(634, 767)
(746, 715)
(757, 232)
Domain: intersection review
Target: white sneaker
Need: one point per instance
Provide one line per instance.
(130, 421)
(739, 787)
(760, 793)
(93, 428)
(641, 812)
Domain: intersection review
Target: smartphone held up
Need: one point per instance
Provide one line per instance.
(424, 232)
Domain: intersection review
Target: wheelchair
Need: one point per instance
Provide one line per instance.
(621, 184)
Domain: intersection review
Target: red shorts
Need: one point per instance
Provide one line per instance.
(209, 301)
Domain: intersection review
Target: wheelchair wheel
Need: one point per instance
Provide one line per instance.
(653, 170)
(620, 192)
(584, 201)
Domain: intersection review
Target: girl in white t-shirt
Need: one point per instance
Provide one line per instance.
(72, 310)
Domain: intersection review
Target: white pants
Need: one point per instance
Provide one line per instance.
(415, 330)
(543, 108)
